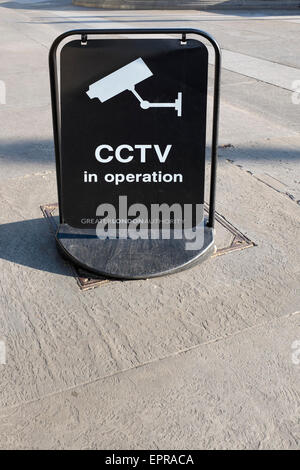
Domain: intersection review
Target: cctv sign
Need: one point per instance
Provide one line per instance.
(133, 124)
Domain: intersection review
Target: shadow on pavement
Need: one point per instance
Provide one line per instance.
(31, 243)
(24, 150)
(42, 5)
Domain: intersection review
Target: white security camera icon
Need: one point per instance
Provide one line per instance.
(126, 78)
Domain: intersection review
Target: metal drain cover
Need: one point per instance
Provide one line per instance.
(228, 239)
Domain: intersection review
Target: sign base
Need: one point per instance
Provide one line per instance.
(131, 259)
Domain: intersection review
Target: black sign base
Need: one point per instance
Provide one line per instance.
(130, 259)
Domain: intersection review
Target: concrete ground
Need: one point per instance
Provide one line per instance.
(205, 359)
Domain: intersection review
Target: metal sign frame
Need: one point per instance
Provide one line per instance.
(80, 247)
(84, 33)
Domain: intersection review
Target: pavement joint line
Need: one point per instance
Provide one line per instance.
(13, 26)
(245, 82)
(260, 58)
(259, 80)
(150, 362)
(251, 173)
(232, 68)
(289, 195)
(252, 113)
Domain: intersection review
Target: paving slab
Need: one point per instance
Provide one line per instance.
(261, 99)
(58, 336)
(265, 38)
(224, 394)
(275, 162)
(200, 359)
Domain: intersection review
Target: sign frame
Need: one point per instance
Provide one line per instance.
(55, 102)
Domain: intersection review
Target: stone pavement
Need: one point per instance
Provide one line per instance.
(206, 358)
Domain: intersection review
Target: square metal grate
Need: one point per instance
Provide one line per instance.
(230, 239)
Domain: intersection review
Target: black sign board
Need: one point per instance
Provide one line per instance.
(133, 121)
(129, 121)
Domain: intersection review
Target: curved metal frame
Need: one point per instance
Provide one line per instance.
(84, 33)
